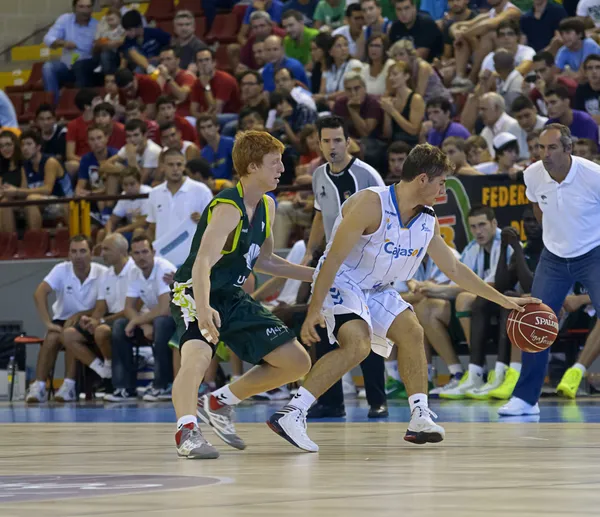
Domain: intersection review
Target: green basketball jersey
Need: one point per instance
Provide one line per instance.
(236, 264)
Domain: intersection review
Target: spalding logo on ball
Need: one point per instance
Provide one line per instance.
(533, 330)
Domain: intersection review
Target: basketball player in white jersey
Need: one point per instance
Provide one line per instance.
(380, 237)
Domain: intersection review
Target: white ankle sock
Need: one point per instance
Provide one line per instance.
(69, 382)
(391, 368)
(499, 369)
(418, 399)
(225, 396)
(475, 370)
(579, 366)
(303, 400)
(455, 368)
(516, 366)
(186, 419)
(108, 363)
(98, 366)
(42, 384)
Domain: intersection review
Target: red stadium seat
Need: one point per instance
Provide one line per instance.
(165, 25)
(59, 247)
(224, 29)
(66, 105)
(240, 11)
(33, 84)
(160, 10)
(222, 59)
(200, 27)
(8, 245)
(195, 6)
(35, 244)
(37, 99)
(18, 102)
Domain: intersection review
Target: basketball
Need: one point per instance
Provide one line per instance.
(533, 330)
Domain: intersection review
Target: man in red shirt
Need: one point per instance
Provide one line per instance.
(77, 137)
(114, 131)
(140, 87)
(262, 27)
(215, 91)
(166, 112)
(134, 110)
(174, 81)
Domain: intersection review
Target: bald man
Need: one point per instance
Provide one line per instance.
(109, 307)
(276, 59)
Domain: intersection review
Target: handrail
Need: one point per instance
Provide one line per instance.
(24, 40)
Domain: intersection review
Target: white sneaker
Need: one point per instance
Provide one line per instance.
(517, 407)
(66, 393)
(467, 383)
(290, 423)
(348, 386)
(483, 393)
(453, 383)
(362, 393)
(36, 393)
(422, 429)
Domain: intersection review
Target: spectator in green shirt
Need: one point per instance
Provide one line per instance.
(330, 13)
(296, 43)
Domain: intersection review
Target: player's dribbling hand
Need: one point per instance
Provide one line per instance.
(209, 322)
(309, 334)
(513, 303)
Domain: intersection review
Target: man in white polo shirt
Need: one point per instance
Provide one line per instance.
(153, 326)
(110, 305)
(75, 284)
(174, 209)
(565, 192)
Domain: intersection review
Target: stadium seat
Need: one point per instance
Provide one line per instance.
(34, 245)
(165, 25)
(200, 26)
(59, 247)
(18, 102)
(224, 29)
(240, 11)
(37, 99)
(160, 10)
(33, 84)
(195, 6)
(66, 105)
(8, 245)
(222, 59)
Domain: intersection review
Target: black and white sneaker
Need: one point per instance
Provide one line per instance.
(120, 395)
(422, 429)
(290, 423)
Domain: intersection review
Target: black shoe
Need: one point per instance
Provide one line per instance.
(321, 411)
(378, 411)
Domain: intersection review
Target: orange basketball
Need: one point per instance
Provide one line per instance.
(533, 330)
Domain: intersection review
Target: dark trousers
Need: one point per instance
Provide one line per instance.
(481, 313)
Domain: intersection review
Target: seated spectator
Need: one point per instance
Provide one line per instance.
(74, 33)
(104, 114)
(508, 34)
(123, 8)
(252, 95)
(306, 7)
(199, 170)
(134, 111)
(185, 43)
(76, 283)
(458, 11)
(310, 152)
(576, 46)
(54, 135)
(77, 140)
(404, 109)
(291, 117)
(11, 162)
(492, 110)
(133, 211)
(375, 22)
(262, 27)
(274, 8)
(296, 43)
(139, 152)
(509, 81)
(587, 96)
(166, 111)
(377, 64)
(424, 79)
(337, 64)
(586, 148)
(397, 153)
(174, 81)
(138, 87)
(94, 331)
(215, 91)
(110, 35)
(506, 147)
(454, 147)
(292, 213)
(580, 123)
(277, 59)
(441, 126)
(353, 29)
(251, 119)
(525, 114)
(142, 45)
(112, 92)
(319, 48)
(170, 137)
(285, 83)
(217, 151)
(8, 115)
(477, 150)
(540, 24)
(546, 77)
(154, 327)
(419, 28)
(533, 144)
(329, 13)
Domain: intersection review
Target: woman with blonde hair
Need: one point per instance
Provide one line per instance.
(404, 109)
(425, 79)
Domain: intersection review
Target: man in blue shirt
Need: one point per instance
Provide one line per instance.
(142, 46)
(306, 7)
(442, 127)
(276, 60)
(541, 22)
(217, 151)
(273, 7)
(576, 46)
(74, 33)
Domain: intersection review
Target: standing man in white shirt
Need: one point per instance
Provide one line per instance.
(75, 283)
(565, 192)
(154, 326)
(110, 304)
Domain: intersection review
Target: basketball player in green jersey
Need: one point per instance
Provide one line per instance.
(233, 238)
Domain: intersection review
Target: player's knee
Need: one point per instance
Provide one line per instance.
(358, 349)
(464, 301)
(196, 355)
(70, 336)
(52, 340)
(102, 333)
(301, 361)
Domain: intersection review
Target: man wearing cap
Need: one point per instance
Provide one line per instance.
(506, 147)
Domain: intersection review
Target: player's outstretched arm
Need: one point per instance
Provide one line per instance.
(272, 264)
(225, 218)
(457, 272)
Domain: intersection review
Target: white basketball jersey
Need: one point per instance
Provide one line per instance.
(393, 252)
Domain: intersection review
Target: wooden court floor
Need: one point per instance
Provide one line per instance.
(363, 469)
